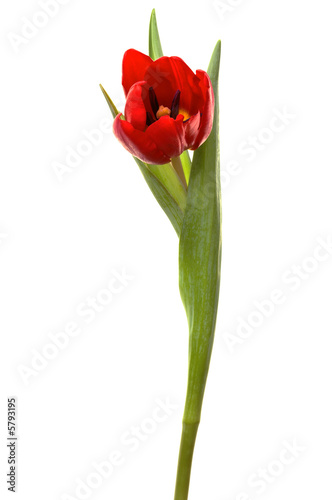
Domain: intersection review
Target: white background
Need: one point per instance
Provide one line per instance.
(61, 239)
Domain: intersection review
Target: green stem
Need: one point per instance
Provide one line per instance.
(199, 360)
(188, 438)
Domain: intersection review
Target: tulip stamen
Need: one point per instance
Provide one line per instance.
(153, 101)
(149, 119)
(175, 104)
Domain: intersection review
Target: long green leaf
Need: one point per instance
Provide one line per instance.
(200, 253)
(169, 178)
(199, 277)
(163, 182)
(164, 198)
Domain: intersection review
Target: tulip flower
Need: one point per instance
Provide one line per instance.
(168, 110)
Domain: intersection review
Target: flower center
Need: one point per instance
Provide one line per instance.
(184, 113)
(161, 110)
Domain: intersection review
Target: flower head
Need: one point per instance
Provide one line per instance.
(168, 107)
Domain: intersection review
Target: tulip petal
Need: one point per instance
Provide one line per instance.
(138, 143)
(169, 74)
(134, 66)
(135, 111)
(207, 110)
(168, 135)
(191, 128)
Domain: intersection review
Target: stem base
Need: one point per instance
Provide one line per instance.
(188, 438)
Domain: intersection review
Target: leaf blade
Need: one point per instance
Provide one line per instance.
(186, 164)
(200, 256)
(109, 101)
(162, 181)
(155, 49)
(163, 197)
(168, 177)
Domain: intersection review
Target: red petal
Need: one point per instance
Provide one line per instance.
(191, 128)
(169, 74)
(134, 66)
(207, 110)
(135, 111)
(138, 143)
(168, 135)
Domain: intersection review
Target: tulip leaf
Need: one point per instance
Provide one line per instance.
(200, 251)
(199, 278)
(162, 180)
(155, 49)
(162, 195)
(186, 165)
(109, 101)
(171, 181)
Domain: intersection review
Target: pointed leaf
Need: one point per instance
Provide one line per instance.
(155, 50)
(109, 101)
(186, 164)
(165, 200)
(163, 182)
(171, 181)
(200, 256)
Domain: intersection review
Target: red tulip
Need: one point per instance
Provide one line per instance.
(168, 108)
